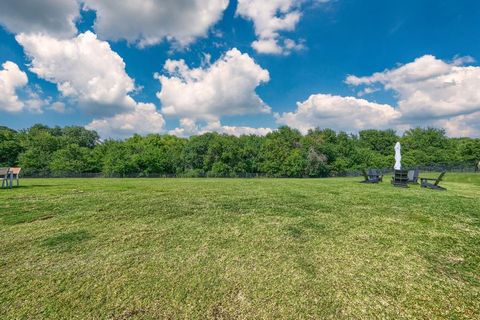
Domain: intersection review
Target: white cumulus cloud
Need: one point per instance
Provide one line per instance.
(429, 87)
(84, 69)
(237, 130)
(467, 125)
(339, 113)
(226, 87)
(59, 107)
(146, 22)
(144, 119)
(88, 71)
(149, 22)
(11, 79)
(53, 17)
(271, 18)
(189, 127)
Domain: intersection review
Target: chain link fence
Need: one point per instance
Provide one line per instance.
(451, 167)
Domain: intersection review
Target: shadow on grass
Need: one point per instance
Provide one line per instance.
(14, 219)
(66, 241)
(34, 186)
(305, 226)
(29, 187)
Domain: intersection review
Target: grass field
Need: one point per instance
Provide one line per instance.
(239, 249)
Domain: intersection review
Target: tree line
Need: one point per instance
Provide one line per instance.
(55, 151)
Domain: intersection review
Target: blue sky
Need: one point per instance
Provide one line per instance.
(411, 63)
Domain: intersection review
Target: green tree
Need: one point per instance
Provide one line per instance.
(38, 143)
(278, 146)
(70, 160)
(380, 141)
(426, 146)
(470, 152)
(250, 157)
(195, 152)
(10, 147)
(295, 164)
(118, 159)
(80, 136)
(316, 164)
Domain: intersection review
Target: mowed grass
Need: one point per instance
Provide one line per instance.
(239, 249)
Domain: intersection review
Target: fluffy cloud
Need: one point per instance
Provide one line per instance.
(149, 22)
(429, 87)
(54, 17)
(143, 119)
(33, 100)
(340, 113)
(226, 87)
(144, 21)
(59, 107)
(84, 69)
(461, 126)
(11, 79)
(270, 18)
(238, 130)
(189, 127)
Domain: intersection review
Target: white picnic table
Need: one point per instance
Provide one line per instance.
(9, 180)
(10, 173)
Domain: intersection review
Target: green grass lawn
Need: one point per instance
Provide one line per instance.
(239, 249)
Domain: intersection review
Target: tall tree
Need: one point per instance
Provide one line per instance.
(10, 147)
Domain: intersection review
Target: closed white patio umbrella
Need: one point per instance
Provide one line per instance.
(398, 156)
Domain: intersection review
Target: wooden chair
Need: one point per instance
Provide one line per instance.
(5, 177)
(426, 184)
(413, 176)
(375, 173)
(16, 174)
(400, 178)
(371, 177)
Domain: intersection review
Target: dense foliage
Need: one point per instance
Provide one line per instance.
(41, 150)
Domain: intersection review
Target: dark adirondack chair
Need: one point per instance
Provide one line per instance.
(375, 174)
(413, 176)
(400, 178)
(435, 185)
(372, 176)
